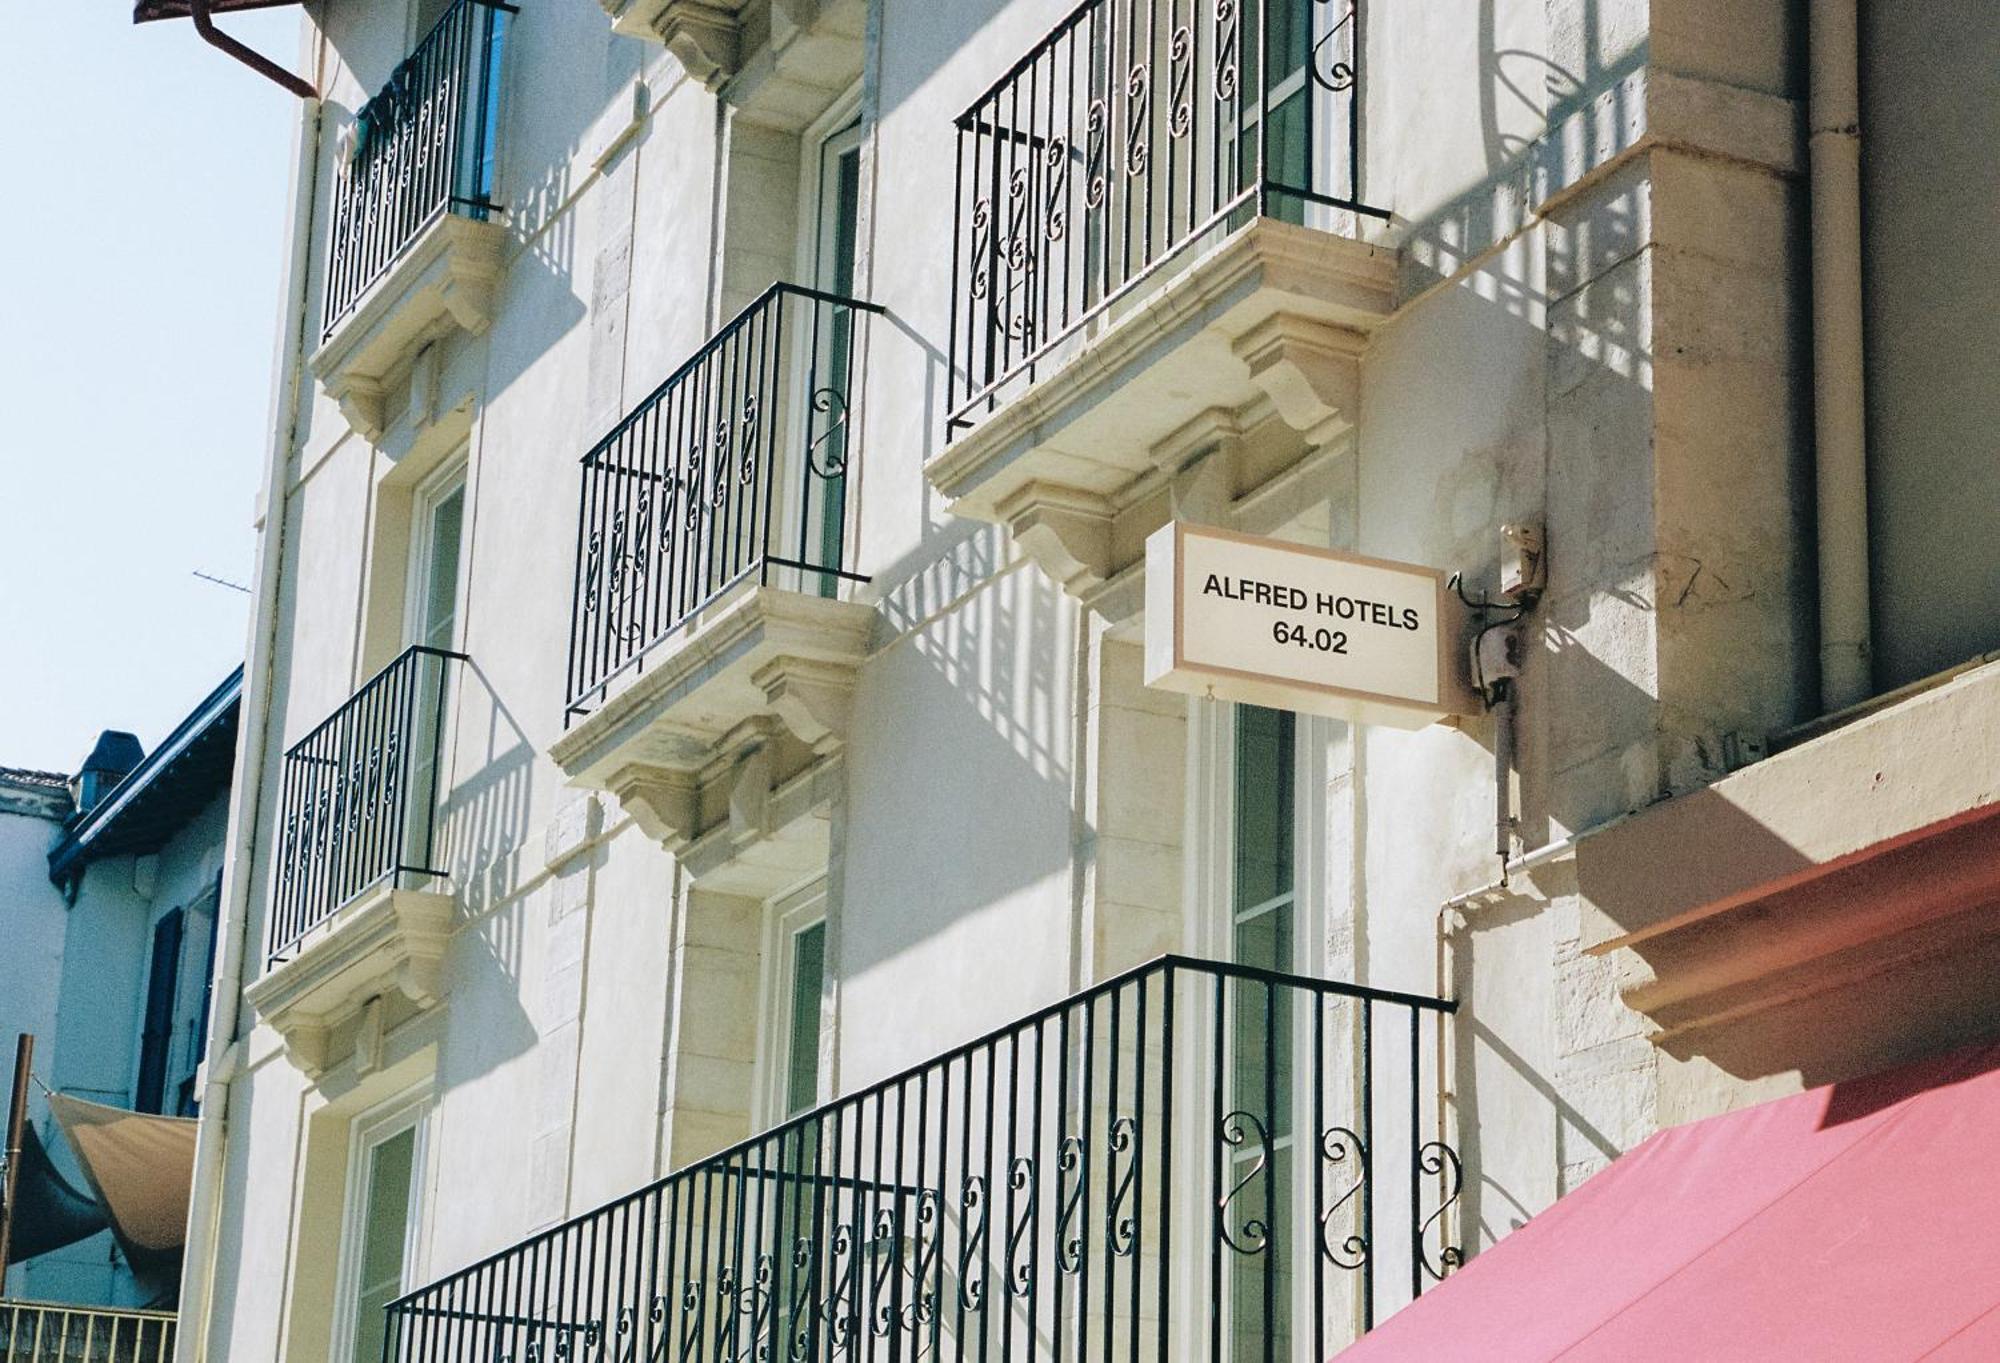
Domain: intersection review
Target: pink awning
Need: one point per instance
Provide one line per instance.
(1849, 1222)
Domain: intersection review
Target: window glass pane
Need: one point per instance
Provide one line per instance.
(384, 1234)
(440, 591)
(1263, 807)
(802, 1045)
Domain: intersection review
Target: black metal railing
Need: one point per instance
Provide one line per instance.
(423, 146)
(734, 468)
(359, 794)
(1133, 131)
(51, 1332)
(1189, 1161)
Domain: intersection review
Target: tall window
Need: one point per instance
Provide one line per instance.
(833, 226)
(435, 562)
(437, 555)
(807, 969)
(1263, 932)
(377, 1248)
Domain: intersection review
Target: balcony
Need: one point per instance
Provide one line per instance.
(1153, 251)
(1191, 1160)
(50, 1332)
(711, 652)
(356, 911)
(413, 248)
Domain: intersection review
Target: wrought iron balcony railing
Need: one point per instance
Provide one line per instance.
(1189, 1161)
(735, 468)
(423, 146)
(51, 1332)
(1135, 130)
(359, 794)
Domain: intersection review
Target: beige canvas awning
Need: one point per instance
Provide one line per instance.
(140, 1166)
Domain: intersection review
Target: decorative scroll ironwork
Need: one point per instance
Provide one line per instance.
(729, 471)
(359, 797)
(421, 147)
(1337, 1145)
(1041, 1186)
(1172, 105)
(1331, 70)
(1237, 1129)
(1436, 1159)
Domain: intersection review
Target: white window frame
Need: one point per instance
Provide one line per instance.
(841, 122)
(407, 1111)
(434, 489)
(1209, 892)
(785, 917)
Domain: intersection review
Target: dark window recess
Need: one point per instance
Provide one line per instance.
(159, 1026)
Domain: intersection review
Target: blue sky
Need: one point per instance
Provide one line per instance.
(147, 177)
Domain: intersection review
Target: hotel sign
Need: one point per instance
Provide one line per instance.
(1294, 628)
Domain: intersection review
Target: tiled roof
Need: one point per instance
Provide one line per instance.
(28, 776)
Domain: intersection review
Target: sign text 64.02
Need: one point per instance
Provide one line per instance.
(1304, 636)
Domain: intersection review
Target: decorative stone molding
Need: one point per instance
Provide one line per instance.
(443, 284)
(756, 696)
(781, 62)
(1149, 416)
(1866, 859)
(389, 941)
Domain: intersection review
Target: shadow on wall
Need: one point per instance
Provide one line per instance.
(485, 822)
(980, 740)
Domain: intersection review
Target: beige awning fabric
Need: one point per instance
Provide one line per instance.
(140, 1166)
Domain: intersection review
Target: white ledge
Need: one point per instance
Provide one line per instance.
(443, 282)
(388, 940)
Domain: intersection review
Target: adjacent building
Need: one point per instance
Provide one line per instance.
(108, 898)
(708, 877)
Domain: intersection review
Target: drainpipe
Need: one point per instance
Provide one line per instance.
(1839, 402)
(249, 56)
(223, 1056)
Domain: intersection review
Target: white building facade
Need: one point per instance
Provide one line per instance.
(708, 876)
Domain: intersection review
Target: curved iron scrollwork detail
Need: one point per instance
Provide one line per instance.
(888, 1241)
(843, 1321)
(1070, 1158)
(1015, 250)
(1021, 1220)
(1180, 66)
(748, 430)
(982, 245)
(1138, 120)
(828, 464)
(805, 1301)
(922, 1307)
(1337, 1145)
(1329, 69)
(1096, 129)
(1237, 1130)
(693, 1312)
(1122, 1231)
(1056, 196)
(1437, 1158)
(1228, 49)
(971, 1201)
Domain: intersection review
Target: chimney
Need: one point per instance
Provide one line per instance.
(110, 761)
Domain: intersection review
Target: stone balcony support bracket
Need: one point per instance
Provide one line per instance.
(444, 283)
(1147, 415)
(389, 941)
(753, 699)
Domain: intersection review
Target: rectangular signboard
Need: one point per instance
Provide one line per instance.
(1284, 625)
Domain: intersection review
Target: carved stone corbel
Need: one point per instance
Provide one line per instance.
(306, 1045)
(815, 700)
(706, 39)
(1066, 531)
(363, 401)
(664, 802)
(1309, 370)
